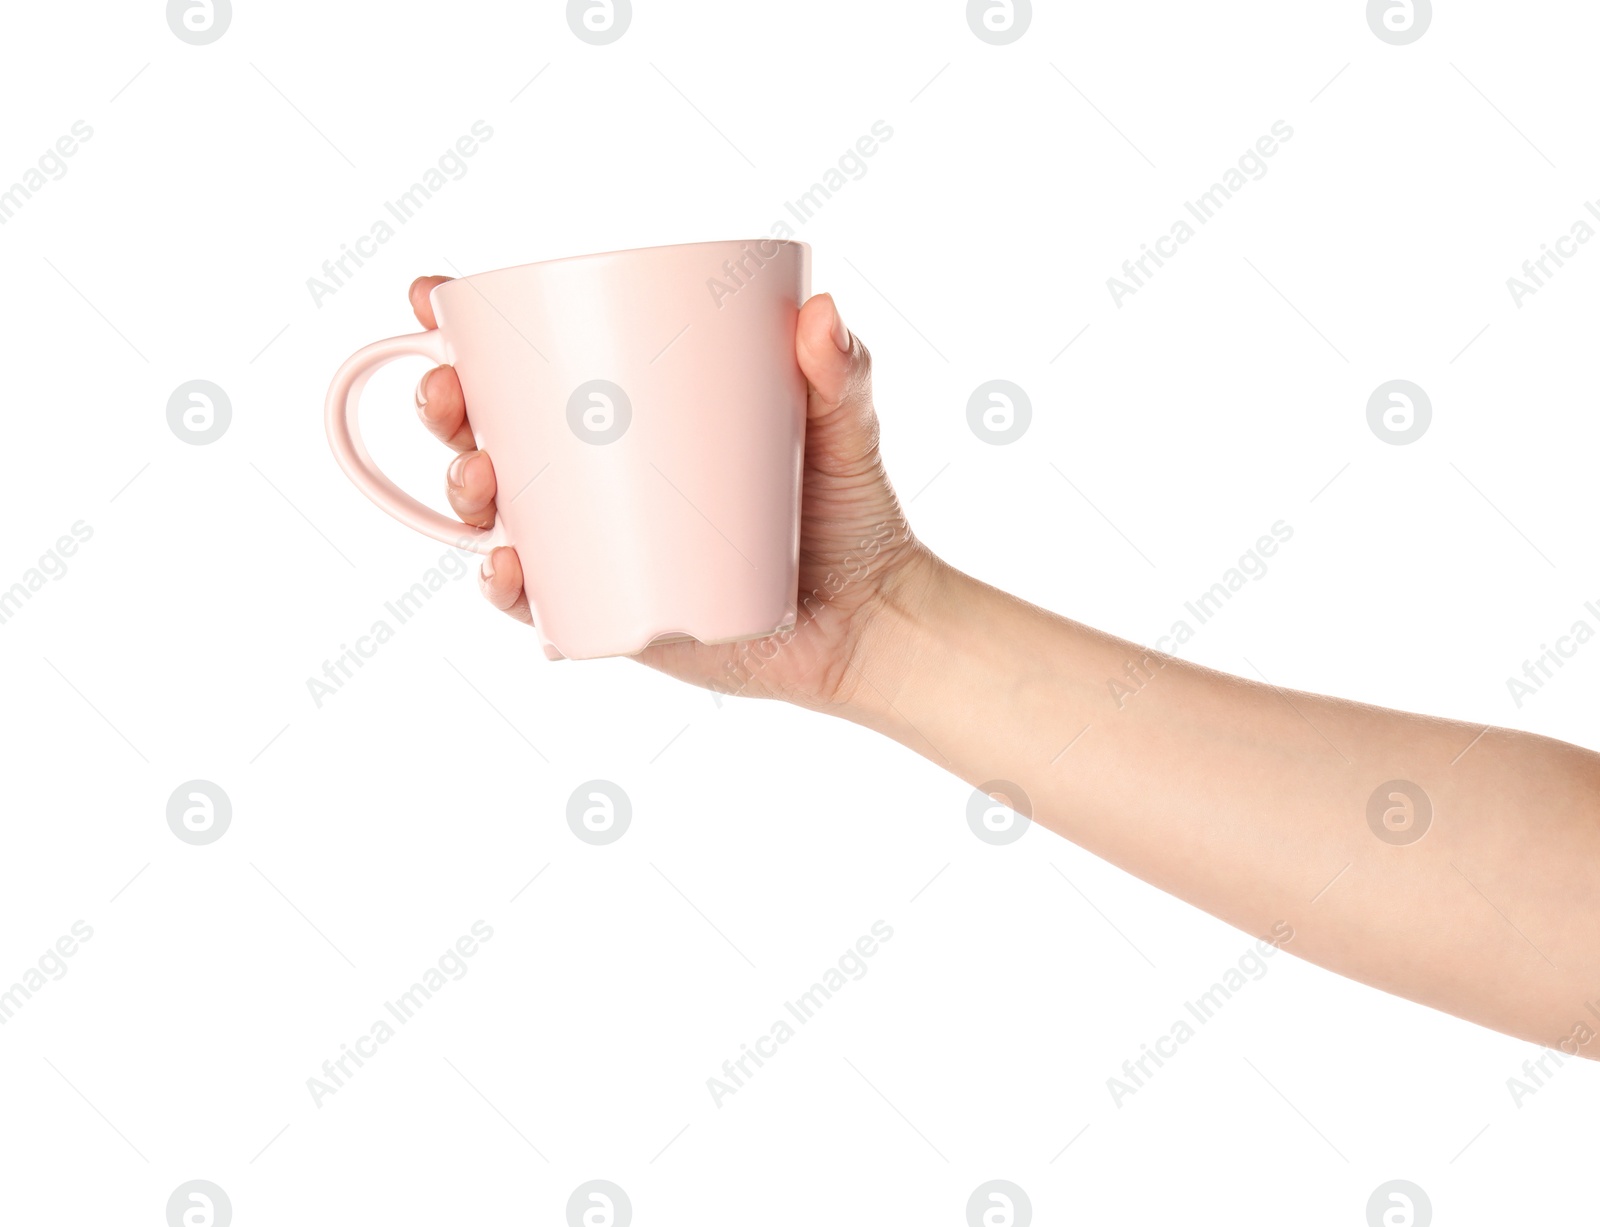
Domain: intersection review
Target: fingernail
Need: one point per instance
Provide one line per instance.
(422, 394)
(486, 572)
(456, 473)
(841, 334)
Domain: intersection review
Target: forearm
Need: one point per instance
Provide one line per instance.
(1248, 801)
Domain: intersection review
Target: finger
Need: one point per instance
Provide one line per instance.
(843, 427)
(469, 484)
(420, 303)
(501, 582)
(442, 406)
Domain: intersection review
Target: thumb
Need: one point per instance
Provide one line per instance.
(842, 426)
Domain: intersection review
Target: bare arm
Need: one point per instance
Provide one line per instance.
(1476, 891)
(1471, 883)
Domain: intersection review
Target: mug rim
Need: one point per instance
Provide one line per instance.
(624, 251)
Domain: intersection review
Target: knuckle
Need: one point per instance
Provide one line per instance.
(860, 383)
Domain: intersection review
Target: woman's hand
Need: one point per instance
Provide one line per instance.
(1270, 809)
(859, 562)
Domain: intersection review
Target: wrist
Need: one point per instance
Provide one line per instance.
(978, 681)
(914, 618)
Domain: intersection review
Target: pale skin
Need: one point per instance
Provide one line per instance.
(1243, 799)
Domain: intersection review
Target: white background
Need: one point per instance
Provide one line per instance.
(370, 833)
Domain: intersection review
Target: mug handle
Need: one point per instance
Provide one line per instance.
(344, 436)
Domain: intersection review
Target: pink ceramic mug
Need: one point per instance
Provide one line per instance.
(646, 418)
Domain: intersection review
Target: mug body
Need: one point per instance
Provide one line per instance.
(645, 414)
